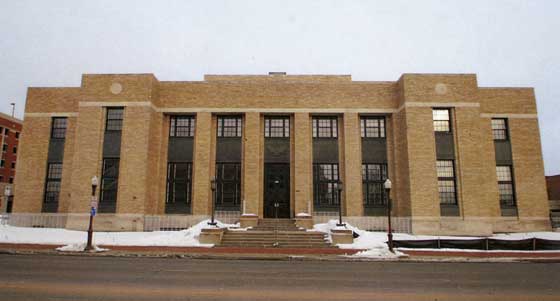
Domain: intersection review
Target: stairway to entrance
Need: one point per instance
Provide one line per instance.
(275, 233)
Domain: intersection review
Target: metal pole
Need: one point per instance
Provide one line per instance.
(339, 190)
(89, 246)
(389, 230)
(213, 187)
(13, 108)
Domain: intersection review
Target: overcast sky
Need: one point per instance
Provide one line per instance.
(507, 43)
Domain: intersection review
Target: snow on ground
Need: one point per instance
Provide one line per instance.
(51, 236)
(79, 248)
(376, 247)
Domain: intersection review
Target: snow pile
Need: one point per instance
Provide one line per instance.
(79, 248)
(303, 214)
(372, 242)
(51, 236)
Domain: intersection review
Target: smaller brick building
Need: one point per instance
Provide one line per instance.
(10, 129)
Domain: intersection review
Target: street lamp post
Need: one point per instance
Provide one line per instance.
(213, 187)
(387, 186)
(339, 191)
(93, 205)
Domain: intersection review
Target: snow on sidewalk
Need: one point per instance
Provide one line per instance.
(52, 236)
(376, 247)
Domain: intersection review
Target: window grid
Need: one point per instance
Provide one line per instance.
(325, 184)
(228, 185)
(52, 184)
(114, 119)
(325, 127)
(446, 182)
(441, 119)
(109, 181)
(373, 179)
(229, 126)
(505, 186)
(499, 129)
(58, 127)
(179, 183)
(277, 127)
(372, 127)
(182, 126)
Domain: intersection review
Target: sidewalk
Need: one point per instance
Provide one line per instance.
(333, 254)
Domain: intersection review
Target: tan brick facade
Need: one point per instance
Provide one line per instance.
(405, 104)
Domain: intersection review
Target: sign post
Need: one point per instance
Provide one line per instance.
(93, 205)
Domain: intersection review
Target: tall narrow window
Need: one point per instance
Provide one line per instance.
(114, 119)
(277, 127)
(446, 182)
(373, 178)
(182, 126)
(325, 127)
(499, 129)
(372, 127)
(58, 127)
(179, 183)
(441, 120)
(228, 182)
(109, 185)
(229, 126)
(325, 185)
(52, 185)
(505, 186)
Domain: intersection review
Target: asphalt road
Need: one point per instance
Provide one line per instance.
(50, 277)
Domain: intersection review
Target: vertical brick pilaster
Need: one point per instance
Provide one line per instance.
(201, 164)
(251, 162)
(303, 176)
(87, 157)
(352, 165)
(134, 160)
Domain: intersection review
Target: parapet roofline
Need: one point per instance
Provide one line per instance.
(10, 118)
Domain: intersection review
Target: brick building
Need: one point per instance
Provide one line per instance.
(10, 129)
(462, 159)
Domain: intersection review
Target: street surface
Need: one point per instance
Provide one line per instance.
(49, 277)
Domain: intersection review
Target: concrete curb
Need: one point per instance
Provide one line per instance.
(177, 252)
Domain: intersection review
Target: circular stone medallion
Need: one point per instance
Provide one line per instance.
(441, 88)
(116, 88)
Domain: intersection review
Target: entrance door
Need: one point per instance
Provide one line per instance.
(276, 190)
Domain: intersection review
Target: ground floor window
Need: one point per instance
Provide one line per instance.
(228, 186)
(325, 183)
(52, 184)
(373, 178)
(109, 185)
(179, 184)
(446, 182)
(505, 186)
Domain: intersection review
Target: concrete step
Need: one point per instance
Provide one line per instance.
(277, 246)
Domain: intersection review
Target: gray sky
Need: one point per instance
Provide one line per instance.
(507, 43)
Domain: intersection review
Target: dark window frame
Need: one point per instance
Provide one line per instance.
(223, 130)
(318, 128)
(447, 197)
(377, 183)
(442, 125)
(109, 179)
(322, 197)
(506, 203)
(271, 131)
(114, 119)
(380, 128)
(54, 176)
(222, 181)
(173, 180)
(59, 126)
(500, 134)
(181, 130)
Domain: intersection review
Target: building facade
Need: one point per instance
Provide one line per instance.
(462, 159)
(10, 129)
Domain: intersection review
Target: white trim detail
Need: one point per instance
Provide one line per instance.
(509, 115)
(54, 114)
(116, 104)
(439, 105)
